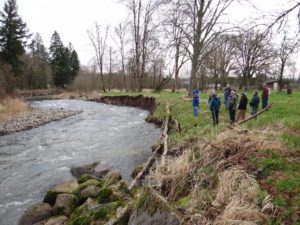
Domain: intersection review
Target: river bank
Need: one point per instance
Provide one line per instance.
(33, 119)
(215, 175)
(35, 160)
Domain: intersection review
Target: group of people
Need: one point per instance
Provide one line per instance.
(232, 104)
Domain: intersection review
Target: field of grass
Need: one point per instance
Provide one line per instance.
(281, 124)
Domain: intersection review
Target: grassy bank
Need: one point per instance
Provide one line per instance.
(225, 174)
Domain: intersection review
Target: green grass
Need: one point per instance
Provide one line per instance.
(281, 170)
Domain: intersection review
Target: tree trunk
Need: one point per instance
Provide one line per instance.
(280, 80)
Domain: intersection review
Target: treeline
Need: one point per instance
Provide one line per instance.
(165, 41)
(25, 62)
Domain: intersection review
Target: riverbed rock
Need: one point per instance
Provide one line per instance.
(96, 170)
(36, 213)
(90, 192)
(60, 220)
(64, 205)
(113, 177)
(102, 169)
(65, 188)
(87, 184)
(153, 209)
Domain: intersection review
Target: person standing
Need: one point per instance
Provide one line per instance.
(196, 102)
(254, 103)
(242, 107)
(215, 105)
(232, 105)
(265, 96)
(227, 91)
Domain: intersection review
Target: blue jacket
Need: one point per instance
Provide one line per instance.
(215, 104)
(196, 98)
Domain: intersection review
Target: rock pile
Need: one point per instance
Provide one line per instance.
(100, 197)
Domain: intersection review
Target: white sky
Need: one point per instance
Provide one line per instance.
(72, 18)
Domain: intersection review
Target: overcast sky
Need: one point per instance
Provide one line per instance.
(72, 18)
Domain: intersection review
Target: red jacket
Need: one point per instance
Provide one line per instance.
(265, 92)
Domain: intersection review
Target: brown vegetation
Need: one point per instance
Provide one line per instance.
(11, 107)
(217, 179)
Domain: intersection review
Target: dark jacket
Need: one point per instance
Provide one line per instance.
(215, 104)
(232, 102)
(254, 101)
(243, 102)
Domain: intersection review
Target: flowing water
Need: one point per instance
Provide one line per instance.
(33, 161)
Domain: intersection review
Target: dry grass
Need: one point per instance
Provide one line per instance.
(241, 213)
(11, 107)
(83, 95)
(174, 177)
(236, 184)
(235, 148)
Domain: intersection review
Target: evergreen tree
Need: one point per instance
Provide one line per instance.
(13, 35)
(74, 61)
(64, 61)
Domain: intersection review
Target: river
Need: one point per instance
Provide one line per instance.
(33, 161)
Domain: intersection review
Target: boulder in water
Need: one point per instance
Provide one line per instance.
(90, 192)
(64, 205)
(65, 188)
(36, 213)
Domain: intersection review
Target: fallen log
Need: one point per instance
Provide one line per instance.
(254, 116)
(165, 135)
(163, 144)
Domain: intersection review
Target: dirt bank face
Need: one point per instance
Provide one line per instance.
(147, 103)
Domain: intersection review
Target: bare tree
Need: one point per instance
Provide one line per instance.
(221, 59)
(254, 54)
(111, 66)
(282, 17)
(120, 32)
(173, 22)
(287, 47)
(143, 26)
(98, 39)
(200, 29)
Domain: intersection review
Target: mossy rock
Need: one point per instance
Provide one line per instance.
(86, 177)
(81, 220)
(105, 195)
(106, 211)
(80, 212)
(121, 187)
(57, 220)
(86, 184)
(65, 188)
(151, 208)
(101, 214)
(112, 178)
(65, 204)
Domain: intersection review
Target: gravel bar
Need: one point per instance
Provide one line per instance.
(33, 119)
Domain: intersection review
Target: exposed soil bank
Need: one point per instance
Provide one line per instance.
(33, 119)
(140, 101)
(147, 103)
